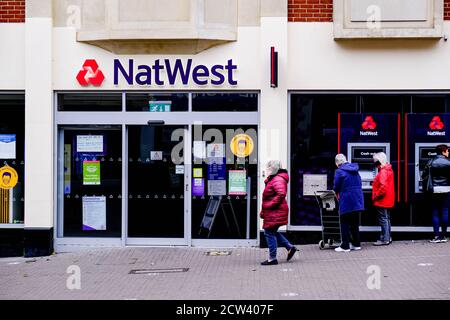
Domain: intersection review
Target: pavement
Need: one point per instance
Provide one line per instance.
(403, 270)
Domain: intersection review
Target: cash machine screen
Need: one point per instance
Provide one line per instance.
(363, 156)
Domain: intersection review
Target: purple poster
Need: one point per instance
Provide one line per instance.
(198, 187)
(216, 169)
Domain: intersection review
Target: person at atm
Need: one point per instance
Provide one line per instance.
(383, 196)
(348, 186)
(440, 176)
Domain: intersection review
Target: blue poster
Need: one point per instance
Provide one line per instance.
(216, 169)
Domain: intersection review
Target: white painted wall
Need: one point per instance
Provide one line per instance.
(38, 123)
(12, 56)
(69, 56)
(316, 61)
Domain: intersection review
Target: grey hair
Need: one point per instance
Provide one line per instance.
(275, 165)
(340, 159)
(381, 157)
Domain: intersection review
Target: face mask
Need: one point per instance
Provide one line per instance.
(377, 164)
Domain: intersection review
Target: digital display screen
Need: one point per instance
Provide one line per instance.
(365, 154)
(427, 153)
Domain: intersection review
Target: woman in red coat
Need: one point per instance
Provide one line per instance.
(383, 196)
(275, 211)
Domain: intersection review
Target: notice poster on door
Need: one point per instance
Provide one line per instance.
(198, 173)
(67, 168)
(313, 183)
(217, 187)
(7, 146)
(91, 173)
(199, 150)
(237, 182)
(216, 150)
(90, 143)
(198, 187)
(94, 213)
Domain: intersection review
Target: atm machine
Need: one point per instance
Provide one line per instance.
(424, 152)
(362, 154)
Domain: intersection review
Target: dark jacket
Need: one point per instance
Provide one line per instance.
(440, 171)
(383, 188)
(347, 184)
(274, 206)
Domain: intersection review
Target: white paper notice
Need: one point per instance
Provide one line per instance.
(94, 213)
(7, 146)
(199, 150)
(179, 169)
(314, 182)
(217, 187)
(89, 143)
(216, 150)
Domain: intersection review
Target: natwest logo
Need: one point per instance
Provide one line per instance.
(90, 74)
(436, 125)
(369, 125)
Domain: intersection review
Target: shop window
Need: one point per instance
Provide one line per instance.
(314, 145)
(12, 147)
(89, 102)
(224, 182)
(92, 181)
(431, 103)
(157, 102)
(224, 102)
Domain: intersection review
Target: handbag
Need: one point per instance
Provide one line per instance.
(427, 180)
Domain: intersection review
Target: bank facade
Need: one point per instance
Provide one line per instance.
(129, 127)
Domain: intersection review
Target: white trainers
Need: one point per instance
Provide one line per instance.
(339, 249)
(352, 247)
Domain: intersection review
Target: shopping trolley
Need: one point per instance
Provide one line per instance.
(330, 219)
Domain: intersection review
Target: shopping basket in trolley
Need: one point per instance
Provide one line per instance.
(330, 219)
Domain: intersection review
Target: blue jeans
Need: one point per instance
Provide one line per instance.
(440, 205)
(384, 219)
(350, 229)
(274, 238)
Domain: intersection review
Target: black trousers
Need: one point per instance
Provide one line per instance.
(350, 229)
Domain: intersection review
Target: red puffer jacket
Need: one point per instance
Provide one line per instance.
(274, 206)
(383, 191)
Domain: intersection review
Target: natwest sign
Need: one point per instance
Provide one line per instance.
(161, 72)
(90, 74)
(369, 125)
(169, 72)
(437, 127)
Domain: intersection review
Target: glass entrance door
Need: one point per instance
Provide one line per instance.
(156, 185)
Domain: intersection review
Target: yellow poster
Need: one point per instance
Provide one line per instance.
(8, 177)
(241, 145)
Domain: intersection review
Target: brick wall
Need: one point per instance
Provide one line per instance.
(322, 10)
(310, 10)
(446, 9)
(12, 11)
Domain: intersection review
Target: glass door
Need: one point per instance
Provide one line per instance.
(156, 185)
